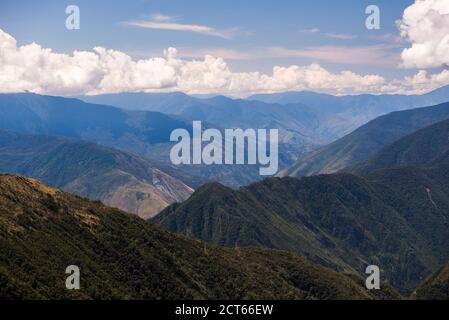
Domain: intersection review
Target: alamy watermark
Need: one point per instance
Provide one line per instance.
(73, 21)
(372, 22)
(72, 282)
(373, 280)
(206, 147)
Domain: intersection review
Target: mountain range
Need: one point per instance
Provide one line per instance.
(143, 133)
(388, 205)
(120, 256)
(365, 105)
(146, 133)
(424, 148)
(305, 119)
(117, 178)
(329, 116)
(397, 217)
(365, 141)
(105, 125)
(295, 119)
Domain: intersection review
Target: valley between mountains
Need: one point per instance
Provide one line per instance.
(91, 185)
(42, 230)
(396, 217)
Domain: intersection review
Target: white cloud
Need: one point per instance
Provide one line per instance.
(161, 17)
(311, 30)
(33, 68)
(423, 81)
(426, 25)
(341, 36)
(162, 22)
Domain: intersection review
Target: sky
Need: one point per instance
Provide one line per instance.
(227, 47)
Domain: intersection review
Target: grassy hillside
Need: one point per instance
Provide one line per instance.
(397, 219)
(367, 141)
(119, 179)
(121, 256)
(436, 287)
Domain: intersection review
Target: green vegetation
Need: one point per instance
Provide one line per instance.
(425, 148)
(117, 178)
(396, 216)
(121, 256)
(397, 219)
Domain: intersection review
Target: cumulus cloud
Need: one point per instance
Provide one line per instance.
(37, 69)
(426, 25)
(33, 68)
(423, 81)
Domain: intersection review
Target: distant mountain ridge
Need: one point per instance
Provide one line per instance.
(387, 102)
(305, 119)
(144, 133)
(219, 110)
(298, 125)
(352, 111)
(366, 141)
(425, 148)
(102, 124)
(120, 179)
(170, 103)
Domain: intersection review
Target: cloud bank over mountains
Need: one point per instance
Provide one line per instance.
(34, 68)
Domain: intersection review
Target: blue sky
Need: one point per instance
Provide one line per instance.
(257, 24)
(250, 35)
